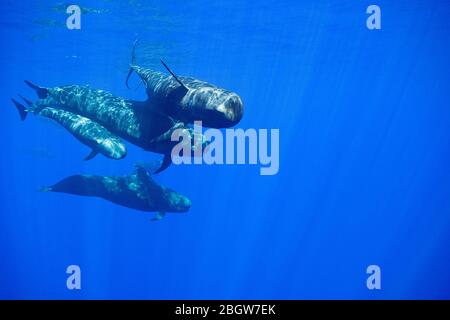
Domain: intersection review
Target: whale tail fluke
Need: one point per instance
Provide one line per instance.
(41, 92)
(21, 108)
(132, 63)
(45, 189)
(28, 102)
(128, 77)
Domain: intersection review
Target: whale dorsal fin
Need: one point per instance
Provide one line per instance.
(145, 179)
(148, 184)
(176, 78)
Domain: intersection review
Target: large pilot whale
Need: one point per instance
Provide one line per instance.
(137, 191)
(188, 99)
(129, 119)
(113, 117)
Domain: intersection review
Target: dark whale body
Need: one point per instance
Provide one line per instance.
(188, 99)
(133, 121)
(136, 191)
(130, 120)
(196, 100)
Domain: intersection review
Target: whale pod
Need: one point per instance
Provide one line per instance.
(107, 118)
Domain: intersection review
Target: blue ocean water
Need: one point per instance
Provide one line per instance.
(364, 124)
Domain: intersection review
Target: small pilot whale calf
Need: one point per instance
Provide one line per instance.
(188, 99)
(88, 132)
(136, 191)
(196, 142)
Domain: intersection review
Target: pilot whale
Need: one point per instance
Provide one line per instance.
(85, 130)
(136, 191)
(131, 120)
(196, 142)
(188, 99)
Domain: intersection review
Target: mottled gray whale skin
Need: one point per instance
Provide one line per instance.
(188, 99)
(111, 116)
(88, 132)
(136, 191)
(130, 120)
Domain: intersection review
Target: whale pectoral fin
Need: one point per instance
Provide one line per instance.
(165, 136)
(91, 155)
(184, 88)
(167, 161)
(42, 93)
(150, 166)
(159, 216)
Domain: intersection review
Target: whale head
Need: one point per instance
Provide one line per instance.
(178, 202)
(215, 107)
(223, 109)
(231, 108)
